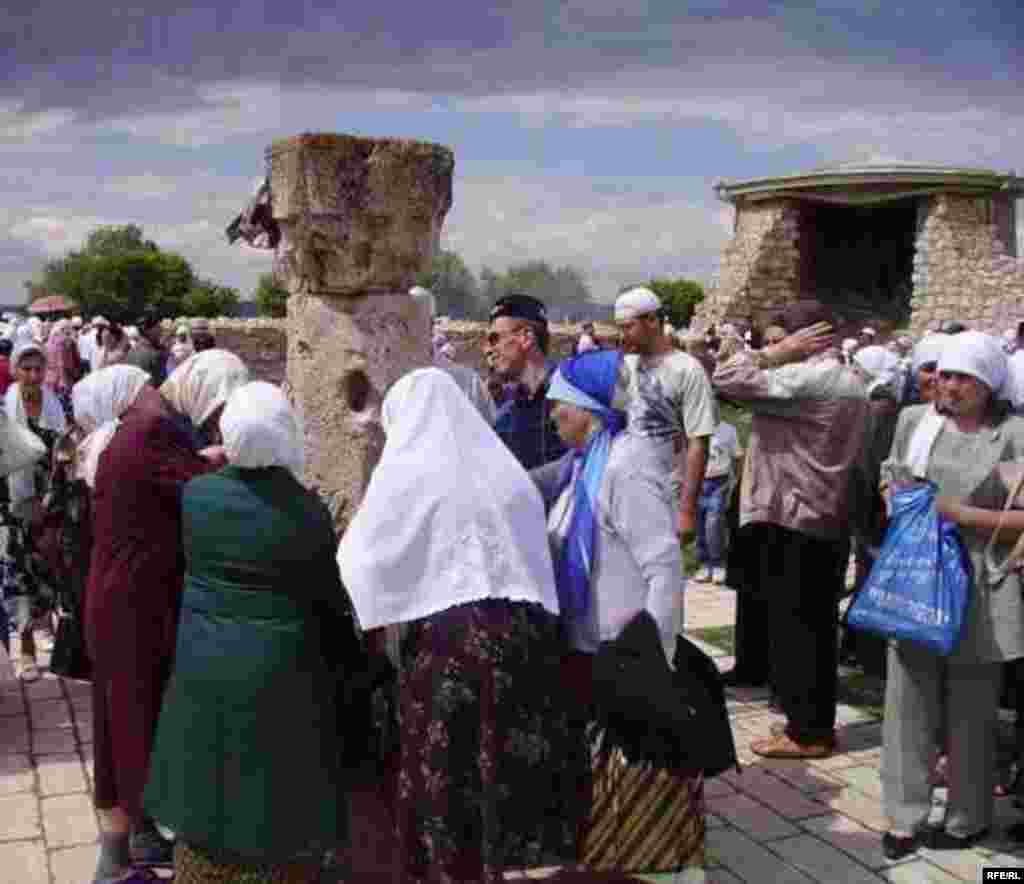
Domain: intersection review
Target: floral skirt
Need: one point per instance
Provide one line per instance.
(195, 865)
(484, 785)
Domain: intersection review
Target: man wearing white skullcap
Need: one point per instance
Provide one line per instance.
(672, 406)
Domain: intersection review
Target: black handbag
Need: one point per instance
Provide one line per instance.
(70, 658)
(671, 719)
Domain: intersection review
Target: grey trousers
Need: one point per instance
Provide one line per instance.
(927, 699)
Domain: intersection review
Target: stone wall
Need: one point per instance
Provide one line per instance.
(760, 266)
(964, 268)
(261, 343)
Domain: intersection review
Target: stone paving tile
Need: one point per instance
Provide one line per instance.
(46, 688)
(779, 796)
(752, 817)
(47, 714)
(73, 865)
(69, 820)
(860, 842)
(14, 734)
(863, 779)
(16, 774)
(801, 775)
(964, 864)
(718, 786)
(860, 807)
(61, 774)
(751, 861)
(52, 741)
(823, 862)
(19, 817)
(919, 872)
(24, 862)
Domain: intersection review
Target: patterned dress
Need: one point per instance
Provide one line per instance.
(482, 786)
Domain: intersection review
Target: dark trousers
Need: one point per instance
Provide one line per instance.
(753, 642)
(799, 581)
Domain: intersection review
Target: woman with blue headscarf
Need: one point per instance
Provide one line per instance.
(612, 530)
(610, 522)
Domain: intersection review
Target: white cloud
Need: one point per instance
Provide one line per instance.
(17, 125)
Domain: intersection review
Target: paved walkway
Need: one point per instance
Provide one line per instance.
(779, 821)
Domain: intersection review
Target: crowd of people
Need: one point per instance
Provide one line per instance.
(247, 663)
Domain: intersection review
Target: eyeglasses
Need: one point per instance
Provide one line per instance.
(495, 336)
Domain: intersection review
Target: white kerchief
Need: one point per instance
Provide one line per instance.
(203, 382)
(261, 429)
(449, 515)
(928, 349)
(99, 400)
(636, 302)
(979, 355)
(922, 440)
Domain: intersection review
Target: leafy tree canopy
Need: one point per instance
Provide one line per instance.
(556, 287)
(271, 297)
(120, 274)
(679, 298)
(453, 285)
(210, 300)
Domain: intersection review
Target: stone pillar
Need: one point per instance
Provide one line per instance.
(359, 218)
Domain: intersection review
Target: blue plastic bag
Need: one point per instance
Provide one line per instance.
(919, 586)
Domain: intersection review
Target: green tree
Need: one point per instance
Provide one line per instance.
(453, 286)
(679, 297)
(210, 300)
(271, 297)
(556, 287)
(120, 274)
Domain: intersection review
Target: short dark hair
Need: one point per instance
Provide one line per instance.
(801, 314)
(6, 346)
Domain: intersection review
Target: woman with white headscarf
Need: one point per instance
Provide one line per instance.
(136, 461)
(246, 763)
(957, 443)
(450, 540)
(31, 403)
(63, 365)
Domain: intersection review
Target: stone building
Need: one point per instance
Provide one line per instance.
(882, 242)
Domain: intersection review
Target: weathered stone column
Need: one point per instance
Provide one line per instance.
(359, 218)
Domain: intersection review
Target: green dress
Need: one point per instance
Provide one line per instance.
(247, 760)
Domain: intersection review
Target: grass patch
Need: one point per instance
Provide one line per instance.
(722, 637)
(866, 692)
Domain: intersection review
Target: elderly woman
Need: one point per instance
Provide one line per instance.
(265, 638)
(182, 347)
(957, 448)
(31, 403)
(112, 346)
(924, 358)
(136, 459)
(450, 541)
(610, 524)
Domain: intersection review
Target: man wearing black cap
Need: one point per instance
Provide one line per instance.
(149, 354)
(516, 352)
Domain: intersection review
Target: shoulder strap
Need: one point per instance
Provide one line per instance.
(997, 571)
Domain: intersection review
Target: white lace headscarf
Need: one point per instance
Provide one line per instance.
(979, 355)
(449, 517)
(261, 429)
(99, 400)
(203, 382)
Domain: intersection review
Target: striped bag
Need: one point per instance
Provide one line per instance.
(643, 818)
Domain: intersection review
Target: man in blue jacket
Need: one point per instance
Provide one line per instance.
(516, 351)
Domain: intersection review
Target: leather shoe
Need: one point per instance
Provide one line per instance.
(940, 839)
(737, 678)
(784, 746)
(777, 730)
(898, 846)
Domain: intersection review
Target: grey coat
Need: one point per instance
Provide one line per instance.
(963, 465)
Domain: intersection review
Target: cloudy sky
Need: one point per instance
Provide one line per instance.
(586, 132)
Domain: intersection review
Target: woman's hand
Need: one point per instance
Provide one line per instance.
(216, 455)
(951, 508)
